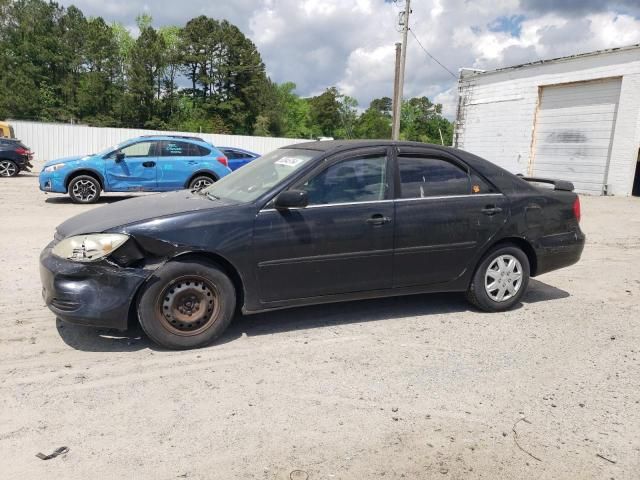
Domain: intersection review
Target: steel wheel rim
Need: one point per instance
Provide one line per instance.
(7, 169)
(503, 278)
(188, 306)
(200, 184)
(84, 190)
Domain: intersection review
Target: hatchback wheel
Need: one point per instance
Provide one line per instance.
(8, 168)
(186, 304)
(84, 189)
(200, 182)
(500, 280)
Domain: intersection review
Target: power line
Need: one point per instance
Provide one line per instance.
(431, 56)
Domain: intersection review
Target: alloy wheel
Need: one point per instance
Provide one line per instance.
(84, 190)
(8, 169)
(503, 278)
(200, 184)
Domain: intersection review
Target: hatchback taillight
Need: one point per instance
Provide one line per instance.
(22, 151)
(223, 160)
(576, 208)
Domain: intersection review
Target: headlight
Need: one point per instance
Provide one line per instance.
(53, 168)
(89, 248)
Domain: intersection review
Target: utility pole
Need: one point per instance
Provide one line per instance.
(395, 130)
(397, 107)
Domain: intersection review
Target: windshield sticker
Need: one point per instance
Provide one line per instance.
(290, 161)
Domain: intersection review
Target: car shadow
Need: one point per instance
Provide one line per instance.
(301, 318)
(103, 199)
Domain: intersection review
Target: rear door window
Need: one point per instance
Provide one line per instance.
(170, 148)
(423, 176)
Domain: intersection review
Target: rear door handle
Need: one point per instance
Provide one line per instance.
(378, 219)
(149, 164)
(491, 210)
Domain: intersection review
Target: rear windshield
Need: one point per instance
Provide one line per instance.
(12, 143)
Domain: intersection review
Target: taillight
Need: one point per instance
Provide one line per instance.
(22, 151)
(576, 208)
(223, 160)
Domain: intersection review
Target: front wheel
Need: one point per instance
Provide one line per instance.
(500, 280)
(8, 168)
(84, 189)
(186, 304)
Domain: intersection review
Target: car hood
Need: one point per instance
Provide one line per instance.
(74, 158)
(136, 210)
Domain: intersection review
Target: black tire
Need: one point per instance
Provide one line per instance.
(186, 304)
(200, 182)
(84, 189)
(478, 293)
(9, 168)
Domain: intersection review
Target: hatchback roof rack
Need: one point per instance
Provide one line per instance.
(186, 137)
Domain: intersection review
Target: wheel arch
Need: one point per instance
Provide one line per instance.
(200, 173)
(214, 258)
(521, 243)
(84, 171)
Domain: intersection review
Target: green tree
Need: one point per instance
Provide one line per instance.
(145, 72)
(348, 111)
(325, 112)
(375, 122)
(172, 61)
(98, 92)
(421, 120)
(295, 112)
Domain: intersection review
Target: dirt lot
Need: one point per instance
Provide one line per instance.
(412, 387)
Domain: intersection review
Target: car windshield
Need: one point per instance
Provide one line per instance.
(257, 177)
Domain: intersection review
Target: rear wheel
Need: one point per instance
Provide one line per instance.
(8, 168)
(84, 189)
(500, 280)
(200, 182)
(186, 304)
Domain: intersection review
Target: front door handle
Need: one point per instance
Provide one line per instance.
(378, 219)
(491, 210)
(149, 164)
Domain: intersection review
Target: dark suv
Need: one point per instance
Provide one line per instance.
(14, 157)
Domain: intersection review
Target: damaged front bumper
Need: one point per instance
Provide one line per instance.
(96, 294)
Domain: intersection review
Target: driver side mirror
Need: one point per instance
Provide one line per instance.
(119, 157)
(291, 199)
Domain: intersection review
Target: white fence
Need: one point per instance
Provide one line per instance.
(56, 140)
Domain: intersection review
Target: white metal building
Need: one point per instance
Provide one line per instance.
(573, 118)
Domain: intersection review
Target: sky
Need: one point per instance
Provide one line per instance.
(350, 43)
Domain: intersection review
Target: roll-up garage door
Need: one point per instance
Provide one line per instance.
(573, 133)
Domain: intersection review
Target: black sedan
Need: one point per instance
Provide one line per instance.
(15, 157)
(307, 224)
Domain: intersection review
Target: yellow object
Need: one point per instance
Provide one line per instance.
(6, 130)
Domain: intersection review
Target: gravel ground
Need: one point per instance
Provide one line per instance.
(411, 387)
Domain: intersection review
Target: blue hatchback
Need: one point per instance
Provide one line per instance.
(143, 164)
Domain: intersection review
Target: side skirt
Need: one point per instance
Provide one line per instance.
(459, 285)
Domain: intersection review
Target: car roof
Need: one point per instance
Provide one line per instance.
(168, 136)
(184, 138)
(337, 145)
